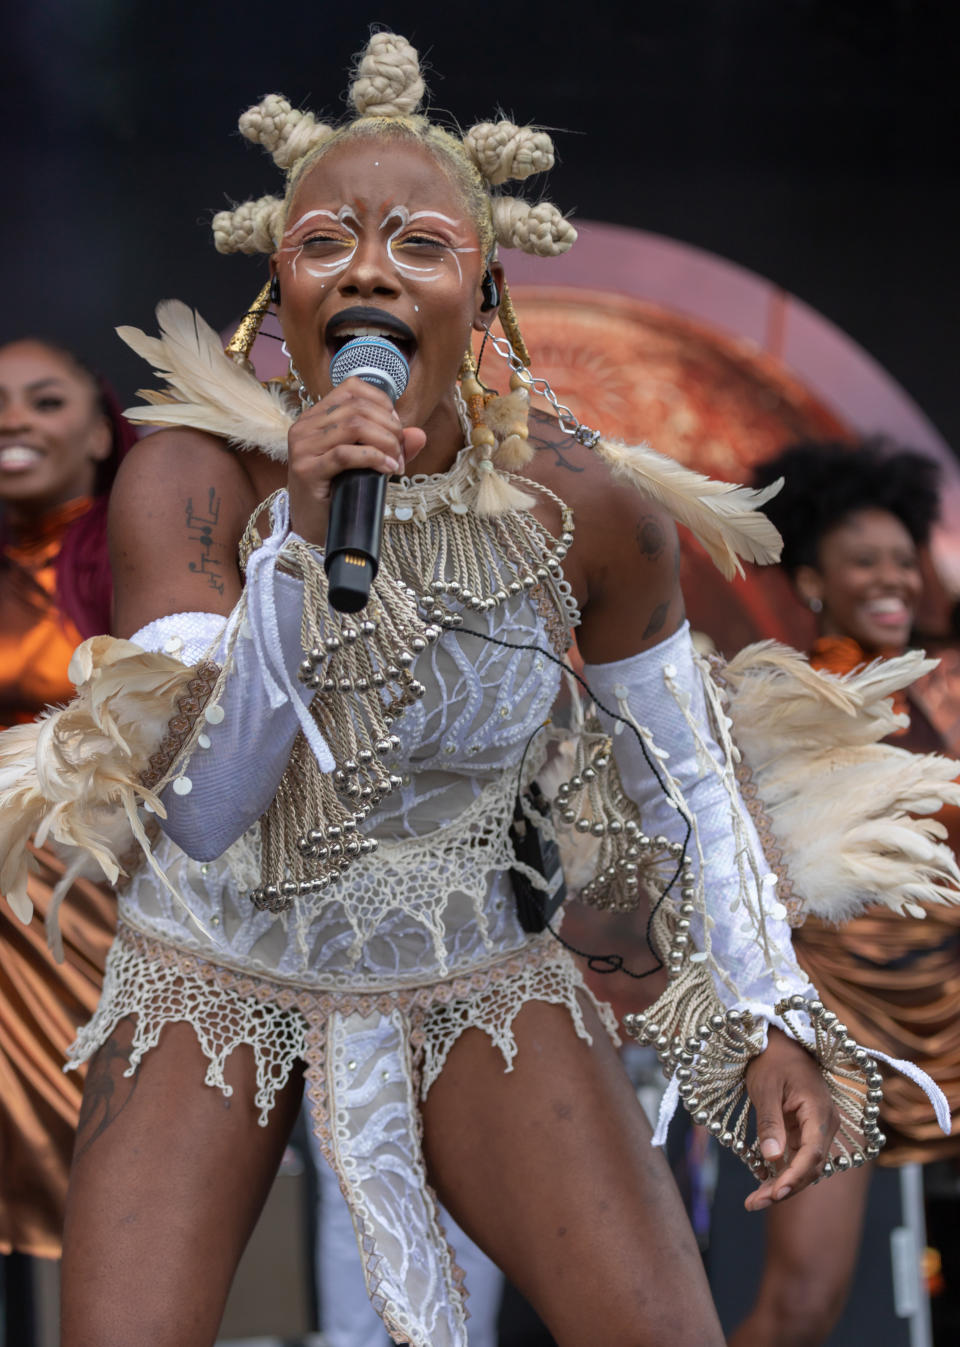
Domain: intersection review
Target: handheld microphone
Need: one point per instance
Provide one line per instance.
(357, 495)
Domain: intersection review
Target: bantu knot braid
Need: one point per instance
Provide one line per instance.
(388, 82)
(539, 229)
(283, 130)
(501, 150)
(253, 227)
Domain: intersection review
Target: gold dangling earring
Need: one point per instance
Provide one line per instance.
(240, 344)
(470, 387)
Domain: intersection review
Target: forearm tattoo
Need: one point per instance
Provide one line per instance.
(200, 525)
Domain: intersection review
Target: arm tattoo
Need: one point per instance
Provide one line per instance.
(657, 619)
(105, 1094)
(200, 528)
(651, 537)
(550, 436)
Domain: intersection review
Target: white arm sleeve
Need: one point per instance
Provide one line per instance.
(662, 691)
(233, 773)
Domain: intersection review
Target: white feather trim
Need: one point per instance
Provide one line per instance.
(212, 392)
(846, 810)
(72, 777)
(726, 518)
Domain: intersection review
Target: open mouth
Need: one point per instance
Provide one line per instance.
(361, 322)
(889, 611)
(19, 457)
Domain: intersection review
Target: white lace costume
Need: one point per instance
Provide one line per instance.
(384, 956)
(371, 980)
(372, 1000)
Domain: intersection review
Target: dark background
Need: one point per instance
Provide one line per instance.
(809, 140)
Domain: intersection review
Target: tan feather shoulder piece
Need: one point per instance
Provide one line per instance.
(206, 390)
(75, 778)
(726, 518)
(850, 816)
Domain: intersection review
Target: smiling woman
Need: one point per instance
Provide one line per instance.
(853, 520)
(345, 887)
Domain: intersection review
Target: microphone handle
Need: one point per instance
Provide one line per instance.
(354, 530)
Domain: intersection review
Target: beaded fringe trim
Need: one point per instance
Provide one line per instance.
(362, 666)
(708, 1049)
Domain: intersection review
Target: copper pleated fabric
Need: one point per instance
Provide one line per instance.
(895, 981)
(42, 1004)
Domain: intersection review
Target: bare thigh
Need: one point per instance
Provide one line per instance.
(549, 1168)
(812, 1245)
(167, 1182)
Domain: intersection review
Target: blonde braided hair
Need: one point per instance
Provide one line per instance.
(386, 91)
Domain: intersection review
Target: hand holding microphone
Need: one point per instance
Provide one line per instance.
(357, 495)
(350, 426)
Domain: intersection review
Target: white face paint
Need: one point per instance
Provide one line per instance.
(434, 268)
(347, 238)
(346, 218)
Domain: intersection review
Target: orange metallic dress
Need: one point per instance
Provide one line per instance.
(894, 980)
(41, 1003)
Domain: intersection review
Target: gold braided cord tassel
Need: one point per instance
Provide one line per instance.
(240, 344)
(511, 326)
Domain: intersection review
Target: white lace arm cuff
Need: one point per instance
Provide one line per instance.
(233, 772)
(747, 939)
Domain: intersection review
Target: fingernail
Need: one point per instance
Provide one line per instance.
(784, 1192)
(770, 1149)
(762, 1204)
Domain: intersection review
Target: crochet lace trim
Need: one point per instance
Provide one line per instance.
(160, 984)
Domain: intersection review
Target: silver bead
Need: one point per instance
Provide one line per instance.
(332, 644)
(350, 634)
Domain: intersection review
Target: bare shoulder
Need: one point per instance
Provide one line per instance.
(177, 511)
(624, 564)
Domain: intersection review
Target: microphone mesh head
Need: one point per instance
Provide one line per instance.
(374, 359)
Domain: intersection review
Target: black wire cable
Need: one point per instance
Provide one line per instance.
(599, 963)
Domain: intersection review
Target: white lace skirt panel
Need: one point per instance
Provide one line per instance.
(369, 1059)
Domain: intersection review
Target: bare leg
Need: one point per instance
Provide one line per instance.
(812, 1244)
(550, 1169)
(168, 1180)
